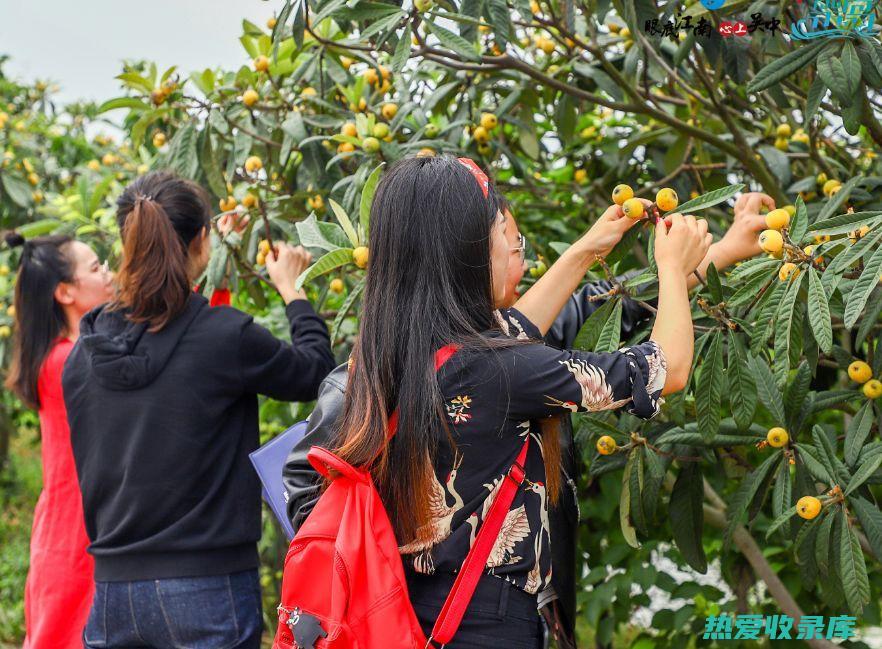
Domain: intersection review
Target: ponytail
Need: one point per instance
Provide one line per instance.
(159, 216)
(39, 319)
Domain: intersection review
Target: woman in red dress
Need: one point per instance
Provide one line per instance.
(59, 280)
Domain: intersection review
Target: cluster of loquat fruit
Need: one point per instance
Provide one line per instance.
(666, 199)
(861, 373)
(784, 135)
(370, 139)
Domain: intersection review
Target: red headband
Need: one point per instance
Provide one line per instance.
(479, 175)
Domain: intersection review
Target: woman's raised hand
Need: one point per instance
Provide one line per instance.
(683, 246)
(285, 263)
(608, 230)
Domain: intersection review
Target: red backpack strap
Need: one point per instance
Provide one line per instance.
(441, 356)
(473, 567)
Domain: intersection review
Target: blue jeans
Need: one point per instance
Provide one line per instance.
(218, 612)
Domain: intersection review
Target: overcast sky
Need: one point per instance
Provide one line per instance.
(80, 44)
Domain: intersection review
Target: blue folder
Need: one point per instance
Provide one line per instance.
(268, 461)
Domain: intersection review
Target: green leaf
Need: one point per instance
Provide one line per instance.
(587, 337)
(708, 393)
(183, 154)
(344, 221)
(813, 101)
(713, 283)
(38, 228)
(325, 264)
(784, 67)
(344, 308)
(857, 432)
(852, 567)
(808, 456)
(742, 386)
(319, 234)
(500, 18)
(18, 189)
(854, 252)
(679, 436)
(750, 484)
(780, 520)
(819, 312)
(710, 199)
(402, 50)
(799, 223)
(217, 266)
(628, 530)
(135, 81)
(862, 289)
(687, 515)
(608, 340)
(863, 472)
(845, 223)
(123, 102)
(826, 450)
(367, 199)
(851, 64)
(785, 324)
(782, 496)
(767, 389)
(822, 542)
(750, 288)
(834, 76)
(635, 489)
(871, 520)
(453, 41)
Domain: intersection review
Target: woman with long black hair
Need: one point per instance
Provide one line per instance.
(439, 258)
(161, 394)
(59, 279)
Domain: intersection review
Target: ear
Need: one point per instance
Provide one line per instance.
(63, 294)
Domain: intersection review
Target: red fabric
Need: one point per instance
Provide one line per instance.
(59, 588)
(220, 297)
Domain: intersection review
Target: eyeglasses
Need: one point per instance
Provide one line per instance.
(522, 248)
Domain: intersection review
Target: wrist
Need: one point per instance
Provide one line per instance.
(722, 254)
(289, 294)
(670, 272)
(584, 252)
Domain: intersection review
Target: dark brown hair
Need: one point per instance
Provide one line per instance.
(39, 319)
(428, 284)
(159, 214)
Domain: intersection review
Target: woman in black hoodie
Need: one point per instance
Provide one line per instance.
(161, 394)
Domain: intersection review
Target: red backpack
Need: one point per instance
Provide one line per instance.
(343, 585)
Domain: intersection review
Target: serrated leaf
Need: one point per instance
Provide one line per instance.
(852, 567)
(708, 393)
(742, 386)
(402, 50)
(319, 234)
(815, 94)
(826, 450)
(844, 223)
(678, 436)
(628, 530)
(748, 488)
(710, 199)
(123, 102)
(184, 155)
(687, 515)
(781, 501)
(784, 67)
(822, 541)
(767, 389)
(863, 472)
(799, 223)
(854, 252)
(635, 488)
(608, 340)
(862, 288)
(794, 395)
(819, 312)
(783, 518)
(325, 264)
(750, 288)
(834, 76)
(871, 520)
(808, 454)
(587, 337)
(453, 41)
(857, 432)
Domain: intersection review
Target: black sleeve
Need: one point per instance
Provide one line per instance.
(578, 308)
(302, 481)
(288, 372)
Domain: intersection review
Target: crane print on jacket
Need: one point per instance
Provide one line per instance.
(493, 400)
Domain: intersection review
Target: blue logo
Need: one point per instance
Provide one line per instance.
(713, 5)
(836, 18)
